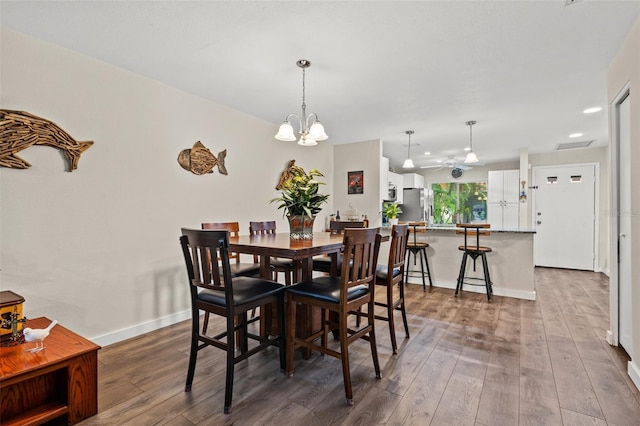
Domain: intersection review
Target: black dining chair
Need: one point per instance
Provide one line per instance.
(215, 290)
(343, 296)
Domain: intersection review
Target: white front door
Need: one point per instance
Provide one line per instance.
(625, 337)
(564, 216)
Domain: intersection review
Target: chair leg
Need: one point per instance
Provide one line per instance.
(463, 267)
(403, 309)
(487, 278)
(372, 340)
(392, 328)
(193, 353)
(408, 260)
(282, 346)
(426, 260)
(424, 285)
(344, 356)
(291, 334)
(231, 344)
(205, 323)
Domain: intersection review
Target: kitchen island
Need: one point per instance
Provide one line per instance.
(510, 262)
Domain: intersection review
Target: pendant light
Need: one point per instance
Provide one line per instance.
(471, 156)
(311, 130)
(408, 163)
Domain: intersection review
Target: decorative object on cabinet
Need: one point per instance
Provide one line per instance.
(471, 156)
(21, 129)
(310, 132)
(391, 212)
(38, 335)
(355, 182)
(199, 160)
(11, 319)
(300, 199)
(408, 163)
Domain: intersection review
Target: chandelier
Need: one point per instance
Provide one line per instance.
(408, 163)
(311, 130)
(471, 156)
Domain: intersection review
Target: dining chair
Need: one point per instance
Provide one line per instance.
(391, 276)
(323, 263)
(342, 296)
(286, 266)
(238, 269)
(215, 290)
(474, 251)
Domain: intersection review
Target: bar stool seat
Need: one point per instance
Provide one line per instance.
(474, 251)
(417, 249)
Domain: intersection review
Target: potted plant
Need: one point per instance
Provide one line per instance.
(391, 212)
(300, 199)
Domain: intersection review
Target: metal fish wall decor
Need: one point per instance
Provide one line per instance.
(199, 160)
(19, 130)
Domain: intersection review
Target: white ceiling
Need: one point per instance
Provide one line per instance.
(524, 70)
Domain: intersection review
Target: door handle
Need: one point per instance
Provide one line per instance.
(539, 222)
(623, 235)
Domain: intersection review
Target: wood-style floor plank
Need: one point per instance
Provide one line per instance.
(509, 362)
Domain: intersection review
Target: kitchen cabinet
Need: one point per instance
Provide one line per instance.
(503, 203)
(412, 180)
(397, 180)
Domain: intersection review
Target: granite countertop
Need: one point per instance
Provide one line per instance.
(453, 228)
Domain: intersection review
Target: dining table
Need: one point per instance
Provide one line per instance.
(280, 245)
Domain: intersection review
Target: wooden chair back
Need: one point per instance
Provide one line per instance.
(234, 231)
(261, 228)
(359, 259)
(397, 251)
(473, 229)
(199, 247)
(338, 227)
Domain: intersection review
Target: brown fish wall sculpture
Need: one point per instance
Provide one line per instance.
(199, 160)
(19, 130)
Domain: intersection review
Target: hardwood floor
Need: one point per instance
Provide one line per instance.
(468, 362)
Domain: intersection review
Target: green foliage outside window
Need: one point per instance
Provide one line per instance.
(455, 202)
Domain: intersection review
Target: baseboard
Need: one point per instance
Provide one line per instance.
(634, 373)
(136, 330)
(609, 338)
(516, 294)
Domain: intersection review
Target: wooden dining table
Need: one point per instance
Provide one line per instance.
(281, 245)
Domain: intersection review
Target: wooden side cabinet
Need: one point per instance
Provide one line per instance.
(61, 380)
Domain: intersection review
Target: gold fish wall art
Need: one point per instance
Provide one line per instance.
(199, 160)
(19, 130)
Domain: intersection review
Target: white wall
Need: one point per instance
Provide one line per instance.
(625, 69)
(97, 249)
(357, 156)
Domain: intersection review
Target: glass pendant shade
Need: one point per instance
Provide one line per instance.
(471, 158)
(408, 164)
(285, 132)
(317, 132)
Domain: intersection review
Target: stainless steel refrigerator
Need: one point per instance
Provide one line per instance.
(413, 205)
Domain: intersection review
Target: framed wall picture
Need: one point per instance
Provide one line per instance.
(355, 182)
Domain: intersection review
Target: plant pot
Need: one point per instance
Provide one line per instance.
(301, 227)
(393, 221)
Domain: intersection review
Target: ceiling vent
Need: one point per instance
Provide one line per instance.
(573, 145)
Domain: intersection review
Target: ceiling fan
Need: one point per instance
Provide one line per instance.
(450, 162)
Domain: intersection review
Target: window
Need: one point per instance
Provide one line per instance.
(458, 202)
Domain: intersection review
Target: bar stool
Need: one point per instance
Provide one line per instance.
(474, 251)
(420, 248)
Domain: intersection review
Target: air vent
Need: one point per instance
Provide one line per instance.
(573, 145)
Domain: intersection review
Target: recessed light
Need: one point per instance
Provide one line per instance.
(592, 110)
(427, 153)
(438, 161)
(575, 135)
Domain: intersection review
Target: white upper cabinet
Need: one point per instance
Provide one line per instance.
(412, 180)
(503, 202)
